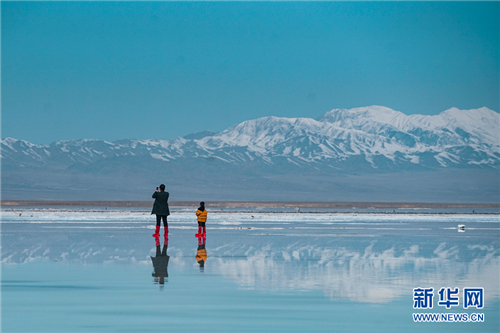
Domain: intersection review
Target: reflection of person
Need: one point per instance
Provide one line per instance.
(201, 253)
(201, 213)
(160, 262)
(160, 208)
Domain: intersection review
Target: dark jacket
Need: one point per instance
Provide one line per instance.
(160, 207)
(160, 264)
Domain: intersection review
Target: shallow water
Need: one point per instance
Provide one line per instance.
(91, 271)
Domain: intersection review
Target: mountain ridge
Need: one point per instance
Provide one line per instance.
(338, 135)
(294, 152)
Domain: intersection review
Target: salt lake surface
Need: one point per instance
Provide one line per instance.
(91, 271)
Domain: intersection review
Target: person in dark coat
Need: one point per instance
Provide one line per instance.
(160, 208)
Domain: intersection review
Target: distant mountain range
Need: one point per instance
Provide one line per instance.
(273, 158)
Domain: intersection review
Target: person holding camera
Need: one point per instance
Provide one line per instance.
(160, 208)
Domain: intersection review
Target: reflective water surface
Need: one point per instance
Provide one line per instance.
(102, 271)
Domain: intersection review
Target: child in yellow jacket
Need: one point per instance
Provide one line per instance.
(201, 213)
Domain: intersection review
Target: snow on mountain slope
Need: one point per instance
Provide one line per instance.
(483, 123)
(368, 119)
(373, 137)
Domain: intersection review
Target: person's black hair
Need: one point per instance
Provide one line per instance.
(162, 187)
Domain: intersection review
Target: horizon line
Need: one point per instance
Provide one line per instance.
(249, 204)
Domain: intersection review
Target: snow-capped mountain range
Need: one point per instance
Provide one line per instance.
(284, 155)
(376, 137)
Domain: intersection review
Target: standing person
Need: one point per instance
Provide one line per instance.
(201, 213)
(160, 208)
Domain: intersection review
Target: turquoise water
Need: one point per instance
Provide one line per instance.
(89, 271)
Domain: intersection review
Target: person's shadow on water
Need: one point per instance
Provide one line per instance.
(160, 262)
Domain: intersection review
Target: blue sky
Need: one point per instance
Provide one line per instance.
(143, 70)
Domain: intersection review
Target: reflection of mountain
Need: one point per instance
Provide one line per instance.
(361, 270)
(366, 276)
(275, 158)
